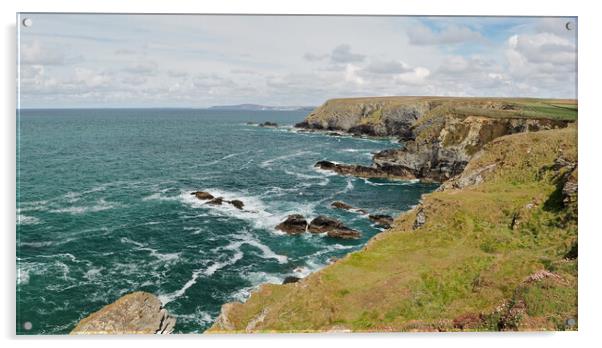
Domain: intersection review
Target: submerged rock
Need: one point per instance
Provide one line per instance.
(202, 195)
(291, 279)
(333, 227)
(135, 313)
(237, 203)
(268, 124)
(381, 220)
(294, 224)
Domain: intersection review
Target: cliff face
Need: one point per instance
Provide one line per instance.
(442, 146)
(438, 135)
(370, 116)
(135, 313)
(495, 248)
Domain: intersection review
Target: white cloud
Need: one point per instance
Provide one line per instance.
(342, 54)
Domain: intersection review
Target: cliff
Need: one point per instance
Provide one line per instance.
(438, 135)
(135, 313)
(495, 248)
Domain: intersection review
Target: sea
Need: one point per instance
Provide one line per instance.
(104, 208)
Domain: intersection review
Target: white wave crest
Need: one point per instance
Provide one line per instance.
(27, 220)
(268, 163)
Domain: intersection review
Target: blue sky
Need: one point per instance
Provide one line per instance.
(77, 60)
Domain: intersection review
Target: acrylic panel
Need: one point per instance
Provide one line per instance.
(276, 173)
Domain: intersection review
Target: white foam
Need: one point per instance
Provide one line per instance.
(27, 220)
(75, 210)
(166, 298)
(267, 163)
(153, 252)
(221, 159)
(247, 238)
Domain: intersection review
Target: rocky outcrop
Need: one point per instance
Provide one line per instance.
(382, 116)
(216, 201)
(333, 227)
(443, 145)
(202, 195)
(290, 280)
(237, 203)
(294, 224)
(363, 171)
(268, 124)
(381, 220)
(135, 313)
(345, 206)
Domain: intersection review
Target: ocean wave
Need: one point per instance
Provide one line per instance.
(255, 210)
(397, 183)
(166, 257)
(247, 238)
(27, 220)
(221, 159)
(207, 271)
(100, 205)
(268, 163)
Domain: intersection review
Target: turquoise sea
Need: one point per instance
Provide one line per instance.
(104, 208)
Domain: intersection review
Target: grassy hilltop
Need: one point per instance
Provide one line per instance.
(495, 248)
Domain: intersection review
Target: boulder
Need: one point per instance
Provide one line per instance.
(341, 205)
(334, 228)
(290, 279)
(237, 203)
(135, 313)
(345, 233)
(420, 219)
(323, 224)
(216, 201)
(381, 220)
(202, 195)
(294, 224)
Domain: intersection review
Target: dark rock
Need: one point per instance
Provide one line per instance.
(216, 201)
(291, 279)
(363, 171)
(381, 220)
(344, 234)
(294, 224)
(323, 224)
(341, 205)
(202, 195)
(237, 203)
(268, 124)
(334, 228)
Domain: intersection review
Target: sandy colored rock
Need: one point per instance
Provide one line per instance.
(135, 313)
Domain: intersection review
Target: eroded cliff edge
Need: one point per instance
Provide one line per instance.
(437, 135)
(495, 248)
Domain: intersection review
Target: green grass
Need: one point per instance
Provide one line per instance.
(466, 260)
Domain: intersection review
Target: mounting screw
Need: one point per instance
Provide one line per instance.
(27, 22)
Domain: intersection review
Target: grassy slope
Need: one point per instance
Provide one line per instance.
(465, 262)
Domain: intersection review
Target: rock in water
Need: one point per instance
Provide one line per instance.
(346, 233)
(237, 203)
(135, 313)
(341, 205)
(294, 224)
(290, 279)
(216, 201)
(381, 220)
(323, 224)
(202, 195)
(334, 228)
(268, 124)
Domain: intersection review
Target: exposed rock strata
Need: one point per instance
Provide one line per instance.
(333, 227)
(135, 313)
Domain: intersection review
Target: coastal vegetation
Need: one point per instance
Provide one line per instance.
(494, 248)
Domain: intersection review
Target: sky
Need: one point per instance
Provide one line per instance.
(93, 60)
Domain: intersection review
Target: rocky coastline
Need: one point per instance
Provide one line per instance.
(441, 140)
